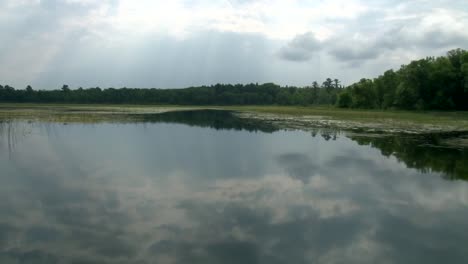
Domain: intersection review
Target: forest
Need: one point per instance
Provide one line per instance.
(433, 83)
(219, 94)
(439, 83)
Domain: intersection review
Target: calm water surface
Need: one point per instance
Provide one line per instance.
(207, 187)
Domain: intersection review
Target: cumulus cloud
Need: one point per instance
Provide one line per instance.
(422, 32)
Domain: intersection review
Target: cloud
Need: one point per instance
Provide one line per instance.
(354, 53)
(101, 43)
(434, 30)
(301, 48)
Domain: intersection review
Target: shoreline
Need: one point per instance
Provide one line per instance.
(287, 117)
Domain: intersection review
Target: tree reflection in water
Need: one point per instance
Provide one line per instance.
(422, 152)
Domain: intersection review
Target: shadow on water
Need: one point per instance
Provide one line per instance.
(216, 119)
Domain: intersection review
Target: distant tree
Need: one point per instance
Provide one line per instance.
(65, 88)
(315, 92)
(337, 83)
(328, 85)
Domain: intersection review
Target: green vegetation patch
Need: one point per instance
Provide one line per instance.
(289, 117)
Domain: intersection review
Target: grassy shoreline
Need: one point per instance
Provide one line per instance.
(328, 116)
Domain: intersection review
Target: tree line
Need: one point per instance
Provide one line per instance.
(431, 83)
(219, 94)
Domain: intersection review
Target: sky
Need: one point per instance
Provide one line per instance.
(181, 43)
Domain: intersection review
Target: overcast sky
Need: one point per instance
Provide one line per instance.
(179, 43)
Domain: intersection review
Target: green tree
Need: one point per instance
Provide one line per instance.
(65, 88)
(336, 82)
(344, 99)
(364, 94)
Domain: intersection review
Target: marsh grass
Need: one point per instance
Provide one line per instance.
(357, 114)
(121, 113)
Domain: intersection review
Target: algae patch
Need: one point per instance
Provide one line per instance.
(307, 122)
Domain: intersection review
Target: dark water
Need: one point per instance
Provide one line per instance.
(206, 187)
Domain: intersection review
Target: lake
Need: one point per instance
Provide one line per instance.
(209, 187)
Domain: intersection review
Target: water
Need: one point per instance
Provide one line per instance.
(207, 187)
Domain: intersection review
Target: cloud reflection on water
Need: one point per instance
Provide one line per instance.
(284, 197)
